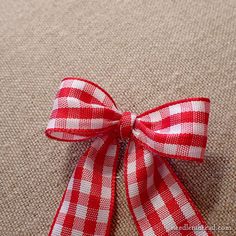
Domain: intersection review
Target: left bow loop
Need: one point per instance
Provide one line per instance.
(81, 110)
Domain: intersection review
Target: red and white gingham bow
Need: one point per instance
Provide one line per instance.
(158, 202)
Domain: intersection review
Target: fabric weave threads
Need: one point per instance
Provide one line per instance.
(143, 54)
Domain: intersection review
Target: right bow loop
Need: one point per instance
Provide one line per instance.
(176, 130)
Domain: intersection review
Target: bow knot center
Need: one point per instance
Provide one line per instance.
(126, 124)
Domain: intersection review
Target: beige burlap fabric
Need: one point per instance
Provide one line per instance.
(144, 53)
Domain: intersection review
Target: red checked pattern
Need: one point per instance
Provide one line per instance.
(158, 202)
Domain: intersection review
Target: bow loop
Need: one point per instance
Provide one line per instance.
(81, 110)
(176, 130)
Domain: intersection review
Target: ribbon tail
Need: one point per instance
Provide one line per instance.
(87, 204)
(159, 203)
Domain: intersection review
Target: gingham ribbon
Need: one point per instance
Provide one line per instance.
(158, 202)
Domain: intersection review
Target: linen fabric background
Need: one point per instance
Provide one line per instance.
(144, 53)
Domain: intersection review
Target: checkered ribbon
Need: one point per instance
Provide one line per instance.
(158, 202)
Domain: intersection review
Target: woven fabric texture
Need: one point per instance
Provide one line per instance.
(144, 53)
